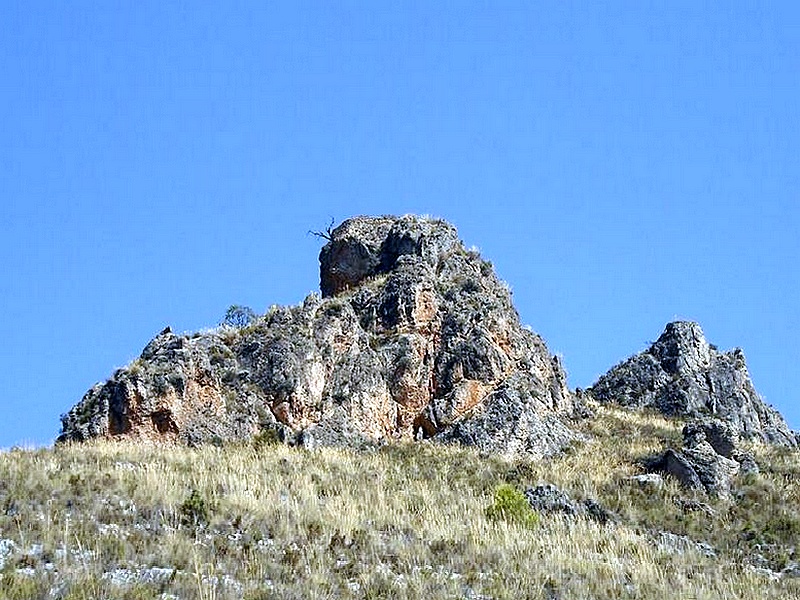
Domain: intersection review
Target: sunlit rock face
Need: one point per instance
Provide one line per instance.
(681, 374)
(414, 337)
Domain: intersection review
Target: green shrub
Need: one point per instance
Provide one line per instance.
(512, 506)
(266, 438)
(238, 316)
(782, 529)
(194, 510)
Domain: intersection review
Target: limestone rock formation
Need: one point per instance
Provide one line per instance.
(709, 459)
(547, 498)
(414, 337)
(681, 374)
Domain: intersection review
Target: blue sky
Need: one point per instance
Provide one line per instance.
(622, 166)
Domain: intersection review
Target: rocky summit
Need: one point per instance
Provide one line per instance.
(413, 337)
(683, 375)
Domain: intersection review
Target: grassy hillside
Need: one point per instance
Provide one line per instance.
(124, 520)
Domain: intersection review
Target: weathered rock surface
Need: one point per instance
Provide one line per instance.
(671, 543)
(546, 498)
(681, 374)
(709, 459)
(414, 337)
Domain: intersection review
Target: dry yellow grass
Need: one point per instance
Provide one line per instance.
(406, 521)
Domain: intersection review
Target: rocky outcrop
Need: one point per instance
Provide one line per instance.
(683, 375)
(546, 498)
(414, 337)
(709, 459)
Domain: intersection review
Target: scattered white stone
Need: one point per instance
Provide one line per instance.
(225, 581)
(59, 590)
(110, 529)
(7, 548)
(764, 572)
(265, 545)
(792, 571)
(672, 543)
(127, 577)
(648, 480)
(76, 554)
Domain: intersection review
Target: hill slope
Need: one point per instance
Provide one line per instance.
(296, 455)
(258, 520)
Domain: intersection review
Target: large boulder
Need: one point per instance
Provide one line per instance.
(683, 375)
(709, 459)
(547, 498)
(414, 337)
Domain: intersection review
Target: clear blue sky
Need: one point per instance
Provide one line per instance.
(621, 166)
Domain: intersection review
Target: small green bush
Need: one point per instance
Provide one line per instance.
(238, 316)
(512, 506)
(194, 510)
(266, 438)
(782, 529)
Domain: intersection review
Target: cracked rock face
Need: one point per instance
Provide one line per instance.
(709, 459)
(681, 374)
(414, 337)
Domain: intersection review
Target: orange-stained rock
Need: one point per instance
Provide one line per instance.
(414, 336)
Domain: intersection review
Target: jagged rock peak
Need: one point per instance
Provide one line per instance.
(681, 374)
(364, 247)
(414, 337)
(682, 348)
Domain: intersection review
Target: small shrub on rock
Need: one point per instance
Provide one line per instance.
(238, 316)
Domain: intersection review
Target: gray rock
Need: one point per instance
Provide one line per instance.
(142, 576)
(721, 435)
(792, 570)
(716, 473)
(510, 422)
(709, 459)
(681, 374)
(672, 543)
(413, 337)
(698, 467)
(676, 464)
(747, 462)
(547, 498)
